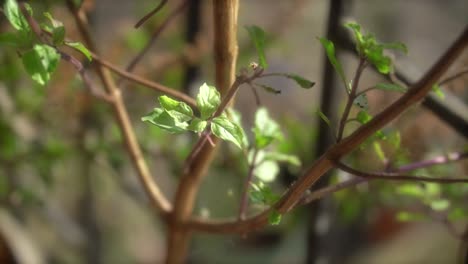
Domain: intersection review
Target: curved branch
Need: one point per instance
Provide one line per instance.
(326, 161)
(150, 14)
(120, 111)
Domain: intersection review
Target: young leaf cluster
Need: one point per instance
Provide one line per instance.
(39, 55)
(178, 117)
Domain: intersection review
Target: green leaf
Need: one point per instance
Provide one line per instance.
(274, 218)
(180, 111)
(412, 190)
(379, 151)
(257, 35)
(363, 117)
(361, 102)
(281, 157)
(208, 100)
(330, 50)
(81, 48)
(262, 193)
(436, 89)
(302, 82)
(14, 15)
(269, 89)
(161, 118)
(266, 129)
(236, 118)
(227, 130)
(58, 30)
(394, 139)
(323, 116)
(391, 87)
(396, 46)
(41, 62)
(197, 125)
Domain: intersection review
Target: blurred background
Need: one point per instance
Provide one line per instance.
(69, 194)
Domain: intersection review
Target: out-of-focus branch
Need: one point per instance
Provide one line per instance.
(150, 14)
(151, 188)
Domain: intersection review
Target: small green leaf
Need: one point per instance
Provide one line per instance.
(58, 30)
(269, 89)
(330, 50)
(361, 102)
(391, 87)
(14, 15)
(396, 46)
(281, 157)
(227, 130)
(81, 48)
(262, 193)
(41, 62)
(257, 35)
(363, 117)
(236, 118)
(323, 116)
(436, 89)
(180, 111)
(274, 218)
(266, 129)
(302, 82)
(197, 125)
(208, 100)
(379, 151)
(160, 118)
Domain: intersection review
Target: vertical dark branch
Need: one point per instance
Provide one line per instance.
(193, 28)
(328, 105)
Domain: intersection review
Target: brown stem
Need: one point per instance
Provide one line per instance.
(157, 198)
(225, 50)
(325, 162)
(453, 77)
(351, 97)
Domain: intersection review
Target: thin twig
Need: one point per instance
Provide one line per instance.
(150, 14)
(248, 181)
(453, 77)
(350, 99)
(131, 66)
(451, 157)
(396, 176)
(145, 82)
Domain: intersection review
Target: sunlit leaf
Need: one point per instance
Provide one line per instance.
(227, 130)
(266, 129)
(14, 15)
(379, 151)
(267, 171)
(436, 89)
(40, 62)
(180, 111)
(274, 218)
(160, 118)
(197, 125)
(257, 35)
(208, 100)
(440, 204)
(81, 48)
(58, 30)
